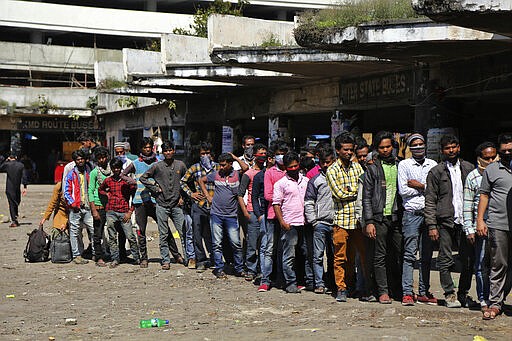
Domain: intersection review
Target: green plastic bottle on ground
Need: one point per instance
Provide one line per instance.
(153, 323)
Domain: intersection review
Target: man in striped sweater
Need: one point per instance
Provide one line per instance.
(143, 202)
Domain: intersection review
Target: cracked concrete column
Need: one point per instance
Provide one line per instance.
(423, 100)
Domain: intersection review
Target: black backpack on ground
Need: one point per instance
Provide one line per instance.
(38, 246)
(61, 248)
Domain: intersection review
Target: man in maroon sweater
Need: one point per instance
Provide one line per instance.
(118, 189)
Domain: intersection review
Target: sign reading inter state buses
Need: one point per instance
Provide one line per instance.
(381, 88)
(49, 124)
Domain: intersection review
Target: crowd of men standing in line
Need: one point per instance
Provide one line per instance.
(369, 212)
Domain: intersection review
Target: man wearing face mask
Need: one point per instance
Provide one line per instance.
(444, 216)
(144, 203)
(486, 154)
(200, 206)
(120, 153)
(75, 191)
(495, 192)
(248, 157)
(318, 210)
(253, 225)
(412, 177)
(288, 203)
(272, 175)
(381, 212)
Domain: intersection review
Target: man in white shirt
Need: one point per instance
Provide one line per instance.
(412, 177)
(248, 157)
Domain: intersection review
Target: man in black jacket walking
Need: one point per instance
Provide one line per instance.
(15, 177)
(444, 198)
(381, 214)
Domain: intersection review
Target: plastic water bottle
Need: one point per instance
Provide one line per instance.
(153, 323)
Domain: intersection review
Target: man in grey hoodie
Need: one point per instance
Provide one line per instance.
(319, 212)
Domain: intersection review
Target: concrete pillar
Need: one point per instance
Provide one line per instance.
(151, 5)
(423, 101)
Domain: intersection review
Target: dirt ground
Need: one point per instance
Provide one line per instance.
(108, 304)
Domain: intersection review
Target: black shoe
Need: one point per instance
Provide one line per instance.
(220, 274)
(241, 274)
(369, 298)
(201, 267)
(292, 289)
(463, 299)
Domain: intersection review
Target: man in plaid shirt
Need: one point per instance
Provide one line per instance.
(342, 178)
(118, 189)
(200, 206)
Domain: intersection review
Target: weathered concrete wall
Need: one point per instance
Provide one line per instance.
(107, 102)
(141, 62)
(152, 116)
(51, 58)
(182, 49)
(54, 17)
(486, 15)
(233, 31)
(432, 6)
(307, 99)
(316, 4)
(108, 70)
(415, 31)
(64, 98)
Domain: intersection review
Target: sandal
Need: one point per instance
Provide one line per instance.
(490, 313)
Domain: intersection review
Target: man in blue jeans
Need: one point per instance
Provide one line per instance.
(162, 179)
(77, 198)
(119, 189)
(253, 235)
(288, 202)
(412, 177)
(224, 211)
(486, 154)
(269, 244)
(319, 212)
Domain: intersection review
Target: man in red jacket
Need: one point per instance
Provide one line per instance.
(76, 195)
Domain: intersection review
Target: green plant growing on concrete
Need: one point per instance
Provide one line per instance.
(171, 105)
(43, 104)
(3, 103)
(200, 26)
(111, 83)
(127, 102)
(313, 24)
(271, 41)
(353, 13)
(74, 117)
(92, 103)
(153, 45)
